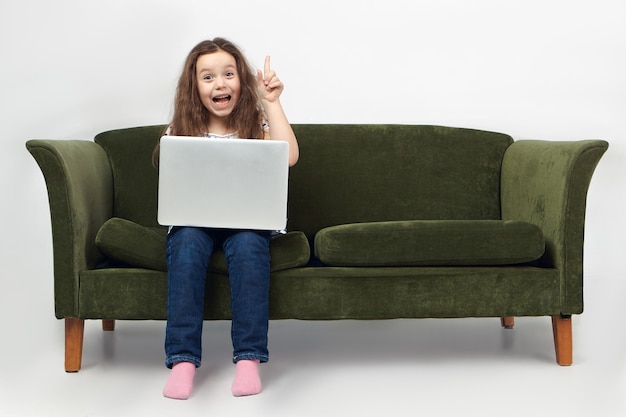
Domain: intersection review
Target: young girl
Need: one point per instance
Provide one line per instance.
(218, 95)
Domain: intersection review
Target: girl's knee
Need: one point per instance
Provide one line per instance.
(248, 243)
(249, 237)
(189, 237)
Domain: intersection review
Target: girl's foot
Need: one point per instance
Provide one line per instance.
(180, 382)
(247, 380)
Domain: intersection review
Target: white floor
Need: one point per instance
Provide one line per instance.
(466, 367)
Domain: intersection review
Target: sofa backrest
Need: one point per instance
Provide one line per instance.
(346, 174)
(361, 173)
(135, 180)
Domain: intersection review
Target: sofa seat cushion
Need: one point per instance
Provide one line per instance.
(130, 244)
(430, 243)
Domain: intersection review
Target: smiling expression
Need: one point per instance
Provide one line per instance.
(218, 83)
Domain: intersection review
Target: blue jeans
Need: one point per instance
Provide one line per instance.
(188, 253)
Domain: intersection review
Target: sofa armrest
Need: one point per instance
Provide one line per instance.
(80, 193)
(546, 183)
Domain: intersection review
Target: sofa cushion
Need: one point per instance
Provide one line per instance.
(430, 243)
(132, 244)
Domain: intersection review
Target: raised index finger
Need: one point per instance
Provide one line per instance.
(266, 69)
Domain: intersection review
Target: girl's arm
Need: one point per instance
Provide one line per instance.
(270, 88)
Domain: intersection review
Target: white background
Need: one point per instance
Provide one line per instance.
(534, 69)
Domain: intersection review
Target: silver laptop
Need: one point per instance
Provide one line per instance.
(223, 183)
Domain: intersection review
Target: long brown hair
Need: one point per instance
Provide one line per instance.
(191, 118)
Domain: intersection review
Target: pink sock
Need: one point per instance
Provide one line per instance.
(247, 380)
(180, 382)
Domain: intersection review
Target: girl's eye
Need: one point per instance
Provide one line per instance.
(207, 77)
(230, 74)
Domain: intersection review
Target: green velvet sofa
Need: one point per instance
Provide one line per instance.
(384, 222)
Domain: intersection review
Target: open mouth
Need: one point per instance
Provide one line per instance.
(221, 99)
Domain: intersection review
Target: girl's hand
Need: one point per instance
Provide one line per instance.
(270, 88)
(268, 84)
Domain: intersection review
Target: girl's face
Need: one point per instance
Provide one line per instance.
(218, 83)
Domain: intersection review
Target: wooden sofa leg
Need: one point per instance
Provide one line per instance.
(74, 330)
(562, 330)
(108, 325)
(507, 322)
